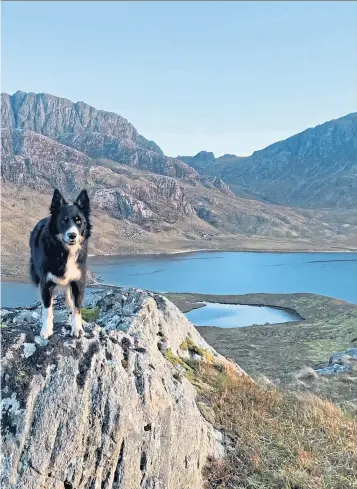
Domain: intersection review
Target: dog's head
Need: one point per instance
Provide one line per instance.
(70, 222)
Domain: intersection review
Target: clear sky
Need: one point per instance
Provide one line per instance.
(227, 77)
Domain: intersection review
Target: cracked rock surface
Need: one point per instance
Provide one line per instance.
(105, 411)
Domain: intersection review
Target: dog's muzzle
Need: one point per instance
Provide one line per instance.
(71, 236)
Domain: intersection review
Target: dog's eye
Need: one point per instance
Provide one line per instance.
(65, 220)
(78, 220)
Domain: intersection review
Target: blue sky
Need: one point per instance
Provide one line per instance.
(228, 77)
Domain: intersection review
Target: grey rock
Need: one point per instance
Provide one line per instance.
(106, 410)
(26, 316)
(29, 349)
(343, 357)
(334, 369)
(97, 133)
(34, 160)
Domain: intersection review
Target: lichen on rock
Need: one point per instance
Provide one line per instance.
(107, 410)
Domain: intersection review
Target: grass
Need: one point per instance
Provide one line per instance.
(90, 314)
(275, 439)
(280, 351)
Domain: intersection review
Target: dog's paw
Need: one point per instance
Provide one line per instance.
(77, 332)
(46, 333)
(77, 329)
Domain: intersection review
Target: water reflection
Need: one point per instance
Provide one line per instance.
(237, 316)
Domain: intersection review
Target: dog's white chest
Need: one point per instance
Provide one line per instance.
(72, 272)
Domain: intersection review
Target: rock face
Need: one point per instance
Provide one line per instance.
(316, 168)
(36, 161)
(97, 133)
(105, 411)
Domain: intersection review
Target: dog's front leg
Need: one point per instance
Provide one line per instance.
(77, 293)
(47, 289)
(69, 303)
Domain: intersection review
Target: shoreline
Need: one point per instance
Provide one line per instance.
(209, 250)
(200, 304)
(24, 279)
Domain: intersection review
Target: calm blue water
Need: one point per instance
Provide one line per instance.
(237, 316)
(331, 274)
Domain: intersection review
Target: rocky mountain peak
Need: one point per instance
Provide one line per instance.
(97, 133)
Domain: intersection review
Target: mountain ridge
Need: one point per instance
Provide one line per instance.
(87, 128)
(315, 168)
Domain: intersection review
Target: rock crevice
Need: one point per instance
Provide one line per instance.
(107, 410)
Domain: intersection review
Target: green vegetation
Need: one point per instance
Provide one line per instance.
(188, 367)
(172, 358)
(189, 345)
(90, 314)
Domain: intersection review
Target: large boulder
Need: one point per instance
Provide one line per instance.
(109, 410)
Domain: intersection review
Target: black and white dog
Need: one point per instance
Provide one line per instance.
(58, 257)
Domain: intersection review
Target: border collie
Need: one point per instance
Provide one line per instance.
(59, 246)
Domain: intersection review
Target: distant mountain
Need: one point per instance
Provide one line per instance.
(143, 201)
(97, 133)
(316, 168)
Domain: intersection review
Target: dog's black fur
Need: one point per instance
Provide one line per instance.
(59, 247)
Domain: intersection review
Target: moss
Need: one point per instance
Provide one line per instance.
(124, 363)
(184, 345)
(172, 358)
(208, 356)
(90, 314)
(190, 346)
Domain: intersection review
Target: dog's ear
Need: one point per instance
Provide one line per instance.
(82, 202)
(57, 201)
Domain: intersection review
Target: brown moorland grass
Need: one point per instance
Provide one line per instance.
(285, 353)
(275, 439)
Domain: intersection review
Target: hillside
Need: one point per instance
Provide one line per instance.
(316, 168)
(142, 200)
(142, 401)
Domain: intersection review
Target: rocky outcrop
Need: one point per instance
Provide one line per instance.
(218, 183)
(112, 409)
(28, 158)
(120, 205)
(36, 161)
(340, 362)
(126, 151)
